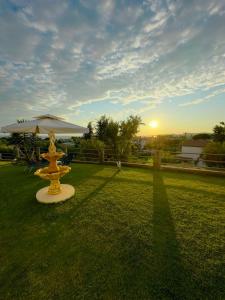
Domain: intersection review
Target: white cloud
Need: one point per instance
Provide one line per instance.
(67, 55)
(204, 99)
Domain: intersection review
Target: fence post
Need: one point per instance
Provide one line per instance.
(102, 156)
(17, 152)
(157, 159)
(39, 153)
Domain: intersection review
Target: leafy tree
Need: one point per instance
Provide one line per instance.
(112, 135)
(128, 129)
(219, 132)
(77, 141)
(101, 128)
(89, 148)
(15, 139)
(202, 136)
(27, 142)
(214, 152)
(118, 135)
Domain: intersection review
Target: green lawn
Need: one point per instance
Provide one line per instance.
(3, 163)
(134, 234)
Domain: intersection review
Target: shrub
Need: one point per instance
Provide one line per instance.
(6, 149)
(168, 157)
(214, 152)
(92, 148)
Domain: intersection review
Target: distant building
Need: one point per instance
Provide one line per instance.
(192, 149)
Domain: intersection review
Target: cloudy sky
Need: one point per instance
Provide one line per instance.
(160, 59)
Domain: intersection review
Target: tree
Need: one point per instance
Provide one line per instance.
(219, 133)
(118, 135)
(90, 133)
(112, 134)
(214, 154)
(28, 143)
(77, 141)
(101, 128)
(202, 136)
(90, 148)
(15, 139)
(128, 129)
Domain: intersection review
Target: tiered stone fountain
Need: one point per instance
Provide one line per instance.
(55, 192)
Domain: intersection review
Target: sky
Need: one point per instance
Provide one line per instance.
(163, 60)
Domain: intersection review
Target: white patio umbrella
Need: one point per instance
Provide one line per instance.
(44, 124)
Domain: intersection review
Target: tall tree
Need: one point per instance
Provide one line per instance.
(101, 128)
(219, 133)
(118, 135)
(90, 133)
(112, 133)
(128, 129)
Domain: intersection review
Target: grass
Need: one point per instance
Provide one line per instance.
(3, 163)
(134, 234)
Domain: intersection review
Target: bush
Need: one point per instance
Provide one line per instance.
(210, 153)
(6, 149)
(167, 157)
(92, 149)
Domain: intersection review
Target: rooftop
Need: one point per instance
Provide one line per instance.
(195, 143)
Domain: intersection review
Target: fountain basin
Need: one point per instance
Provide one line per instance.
(52, 157)
(47, 174)
(67, 191)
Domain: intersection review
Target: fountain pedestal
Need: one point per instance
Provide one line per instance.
(55, 192)
(66, 192)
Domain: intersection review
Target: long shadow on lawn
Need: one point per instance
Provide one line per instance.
(170, 276)
(177, 187)
(172, 280)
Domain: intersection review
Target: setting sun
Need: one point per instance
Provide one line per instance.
(154, 124)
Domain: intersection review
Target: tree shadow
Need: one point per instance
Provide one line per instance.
(170, 280)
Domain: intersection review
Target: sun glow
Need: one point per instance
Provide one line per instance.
(154, 124)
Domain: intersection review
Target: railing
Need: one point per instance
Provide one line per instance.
(7, 156)
(193, 160)
(155, 158)
(90, 155)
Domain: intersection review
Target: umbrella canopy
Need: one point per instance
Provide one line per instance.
(45, 124)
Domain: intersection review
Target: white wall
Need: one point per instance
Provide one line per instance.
(191, 152)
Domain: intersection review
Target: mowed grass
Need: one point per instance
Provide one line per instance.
(4, 163)
(133, 234)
